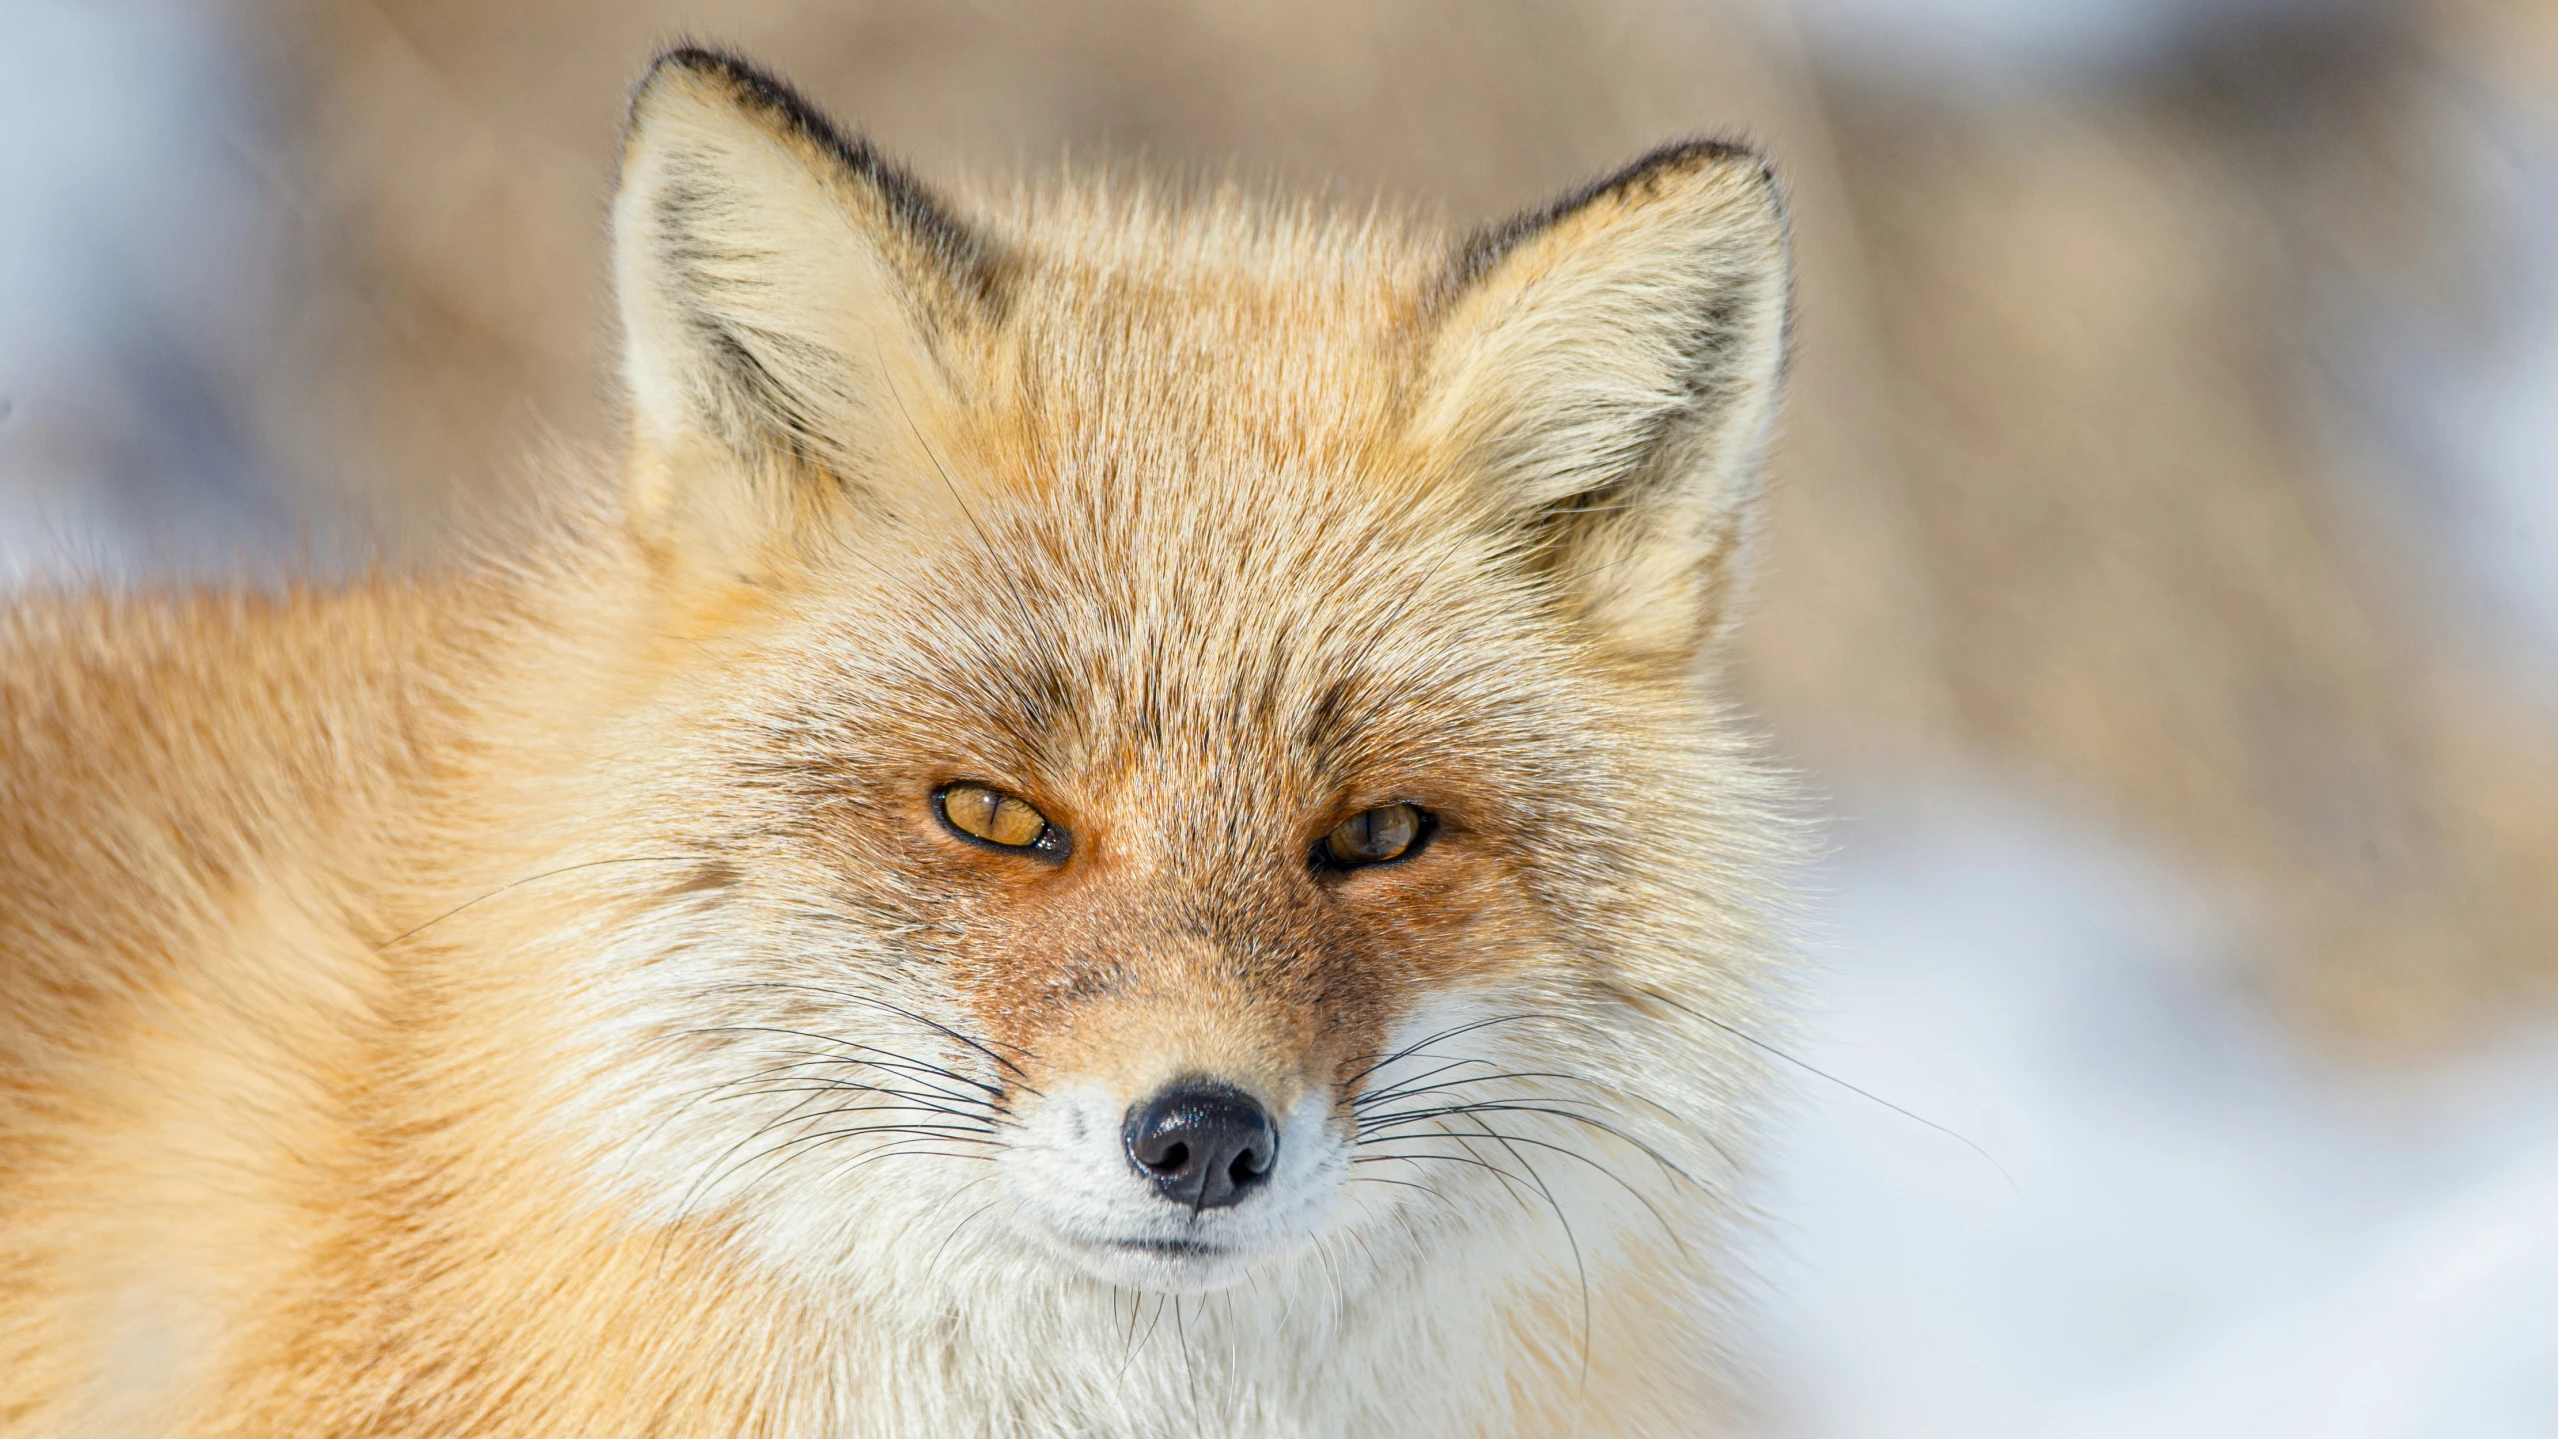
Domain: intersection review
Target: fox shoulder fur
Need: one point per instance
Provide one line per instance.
(1122, 826)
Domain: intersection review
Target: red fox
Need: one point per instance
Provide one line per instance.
(1123, 824)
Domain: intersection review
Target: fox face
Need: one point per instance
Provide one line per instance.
(1185, 749)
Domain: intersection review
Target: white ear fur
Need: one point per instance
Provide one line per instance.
(1606, 371)
(782, 294)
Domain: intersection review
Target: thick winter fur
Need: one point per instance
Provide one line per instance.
(545, 1001)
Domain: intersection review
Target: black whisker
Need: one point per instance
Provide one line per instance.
(934, 1263)
(1571, 1240)
(1391, 1092)
(1426, 1041)
(720, 1167)
(905, 1144)
(1400, 1184)
(797, 1083)
(1478, 1163)
(1401, 1092)
(969, 1123)
(894, 1061)
(1506, 1140)
(1512, 1107)
(981, 1046)
(1766, 1048)
(412, 933)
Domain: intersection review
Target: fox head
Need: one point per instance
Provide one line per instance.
(1191, 746)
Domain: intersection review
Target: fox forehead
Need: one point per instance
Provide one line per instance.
(1183, 507)
(1148, 653)
(1184, 510)
(1215, 354)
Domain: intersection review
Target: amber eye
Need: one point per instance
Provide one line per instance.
(1374, 836)
(990, 816)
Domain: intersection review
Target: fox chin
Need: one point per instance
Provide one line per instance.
(1122, 822)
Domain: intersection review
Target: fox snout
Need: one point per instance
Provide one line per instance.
(1185, 1127)
(1202, 1144)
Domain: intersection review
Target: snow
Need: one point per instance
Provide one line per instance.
(2201, 1228)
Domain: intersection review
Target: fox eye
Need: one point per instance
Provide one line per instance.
(992, 817)
(1374, 836)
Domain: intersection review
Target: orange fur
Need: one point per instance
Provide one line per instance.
(395, 976)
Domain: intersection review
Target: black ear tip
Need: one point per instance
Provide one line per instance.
(741, 77)
(699, 58)
(726, 77)
(756, 89)
(752, 87)
(1480, 251)
(1683, 155)
(718, 61)
(1678, 157)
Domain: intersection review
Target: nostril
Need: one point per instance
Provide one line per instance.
(1202, 1144)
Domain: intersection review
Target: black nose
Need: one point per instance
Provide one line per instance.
(1204, 1145)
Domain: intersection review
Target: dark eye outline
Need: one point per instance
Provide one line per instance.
(1052, 846)
(1323, 861)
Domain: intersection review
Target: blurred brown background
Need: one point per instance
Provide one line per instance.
(2097, 480)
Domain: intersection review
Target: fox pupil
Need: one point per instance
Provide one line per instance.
(991, 817)
(1374, 836)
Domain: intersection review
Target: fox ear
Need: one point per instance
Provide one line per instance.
(788, 301)
(1606, 369)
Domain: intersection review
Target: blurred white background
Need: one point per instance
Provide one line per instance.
(2214, 1228)
(2202, 1228)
